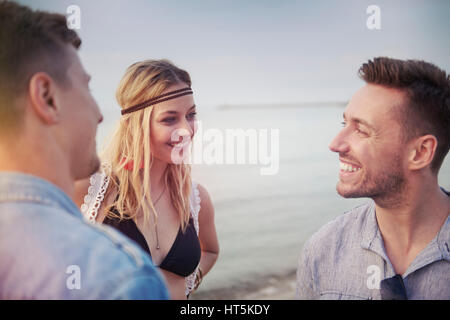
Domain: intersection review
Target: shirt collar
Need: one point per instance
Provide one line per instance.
(437, 249)
(371, 235)
(20, 187)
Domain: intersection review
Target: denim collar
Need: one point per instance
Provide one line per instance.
(20, 187)
(437, 249)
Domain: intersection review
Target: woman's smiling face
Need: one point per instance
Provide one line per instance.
(172, 127)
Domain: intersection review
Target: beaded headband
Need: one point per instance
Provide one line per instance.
(161, 98)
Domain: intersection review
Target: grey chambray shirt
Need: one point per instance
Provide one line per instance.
(346, 259)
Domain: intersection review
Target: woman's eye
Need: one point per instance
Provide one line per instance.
(169, 120)
(192, 115)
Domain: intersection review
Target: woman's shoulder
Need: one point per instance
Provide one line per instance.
(90, 192)
(81, 189)
(203, 193)
(199, 190)
(202, 198)
(199, 193)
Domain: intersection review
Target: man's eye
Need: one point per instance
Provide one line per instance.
(344, 123)
(359, 131)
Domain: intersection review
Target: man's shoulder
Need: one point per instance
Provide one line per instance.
(346, 227)
(100, 242)
(117, 263)
(46, 224)
(106, 259)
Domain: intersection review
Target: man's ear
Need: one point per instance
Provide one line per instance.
(42, 92)
(422, 152)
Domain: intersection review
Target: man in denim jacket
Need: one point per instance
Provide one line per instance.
(48, 122)
(395, 136)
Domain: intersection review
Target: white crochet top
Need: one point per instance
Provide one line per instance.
(96, 193)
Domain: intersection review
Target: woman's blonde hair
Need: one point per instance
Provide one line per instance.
(131, 142)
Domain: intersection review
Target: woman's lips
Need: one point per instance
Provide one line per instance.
(179, 144)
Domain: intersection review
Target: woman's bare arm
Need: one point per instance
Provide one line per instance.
(207, 232)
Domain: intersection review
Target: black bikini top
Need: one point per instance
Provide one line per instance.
(182, 258)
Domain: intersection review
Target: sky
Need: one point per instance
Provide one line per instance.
(254, 51)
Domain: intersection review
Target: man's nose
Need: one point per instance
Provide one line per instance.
(339, 143)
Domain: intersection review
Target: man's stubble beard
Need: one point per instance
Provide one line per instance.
(386, 189)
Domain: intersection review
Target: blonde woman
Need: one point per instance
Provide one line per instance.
(144, 188)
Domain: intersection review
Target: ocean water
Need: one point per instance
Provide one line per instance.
(262, 221)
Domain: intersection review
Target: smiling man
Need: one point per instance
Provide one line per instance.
(395, 136)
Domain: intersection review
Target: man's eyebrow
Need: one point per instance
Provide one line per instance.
(176, 112)
(360, 121)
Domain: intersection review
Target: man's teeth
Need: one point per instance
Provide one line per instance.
(348, 167)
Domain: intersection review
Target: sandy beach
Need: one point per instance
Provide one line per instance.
(276, 287)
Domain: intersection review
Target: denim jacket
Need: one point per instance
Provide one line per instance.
(346, 259)
(47, 250)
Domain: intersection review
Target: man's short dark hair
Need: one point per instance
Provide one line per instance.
(30, 42)
(427, 88)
